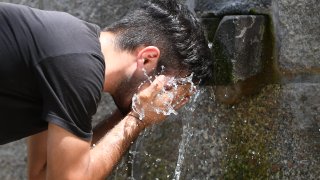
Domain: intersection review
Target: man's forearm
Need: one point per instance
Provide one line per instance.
(112, 146)
(105, 126)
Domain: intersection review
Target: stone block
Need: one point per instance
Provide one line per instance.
(237, 48)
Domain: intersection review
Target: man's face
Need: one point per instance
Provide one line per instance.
(129, 86)
(124, 71)
(119, 72)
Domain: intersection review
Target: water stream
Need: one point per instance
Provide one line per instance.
(187, 132)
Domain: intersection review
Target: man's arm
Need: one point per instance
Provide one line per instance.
(106, 125)
(37, 146)
(72, 158)
(37, 156)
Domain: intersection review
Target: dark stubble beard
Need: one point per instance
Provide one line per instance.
(124, 93)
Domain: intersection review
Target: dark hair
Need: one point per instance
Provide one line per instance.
(173, 29)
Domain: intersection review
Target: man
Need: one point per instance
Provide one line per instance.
(53, 68)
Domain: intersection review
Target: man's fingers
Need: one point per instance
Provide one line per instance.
(161, 95)
(157, 85)
(183, 91)
(183, 102)
(154, 88)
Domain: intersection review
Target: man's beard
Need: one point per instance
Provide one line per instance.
(124, 93)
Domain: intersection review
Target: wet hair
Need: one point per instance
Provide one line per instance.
(173, 29)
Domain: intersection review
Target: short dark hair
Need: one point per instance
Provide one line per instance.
(173, 29)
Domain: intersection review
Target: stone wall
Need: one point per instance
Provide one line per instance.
(260, 119)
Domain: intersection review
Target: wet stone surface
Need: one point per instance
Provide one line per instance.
(237, 48)
(263, 136)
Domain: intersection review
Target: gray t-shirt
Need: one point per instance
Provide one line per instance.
(51, 70)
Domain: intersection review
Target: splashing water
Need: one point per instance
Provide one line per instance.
(169, 109)
(186, 135)
(189, 108)
(149, 78)
(135, 101)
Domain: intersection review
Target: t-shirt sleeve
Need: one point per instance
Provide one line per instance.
(71, 87)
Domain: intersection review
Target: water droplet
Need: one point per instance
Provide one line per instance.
(253, 152)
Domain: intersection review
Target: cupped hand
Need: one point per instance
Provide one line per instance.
(159, 100)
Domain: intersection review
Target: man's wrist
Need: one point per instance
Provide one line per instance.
(132, 114)
(140, 123)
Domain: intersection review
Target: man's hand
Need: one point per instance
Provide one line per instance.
(154, 103)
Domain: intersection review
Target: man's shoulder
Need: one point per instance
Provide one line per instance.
(50, 33)
(62, 33)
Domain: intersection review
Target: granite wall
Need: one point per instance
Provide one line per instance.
(260, 118)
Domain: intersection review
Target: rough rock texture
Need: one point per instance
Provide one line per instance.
(227, 7)
(299, 136)
(299, 34)
(237, 48)
(272, 134)
(31, 3)
(96, 11)
(13, 161)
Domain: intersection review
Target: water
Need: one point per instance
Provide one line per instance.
(173, 101)
(186, 135)
(170, 108)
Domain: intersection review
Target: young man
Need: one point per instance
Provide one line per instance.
(53, 68)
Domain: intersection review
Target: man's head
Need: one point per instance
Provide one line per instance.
(161, 33)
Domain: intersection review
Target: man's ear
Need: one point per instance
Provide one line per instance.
(148, 58)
